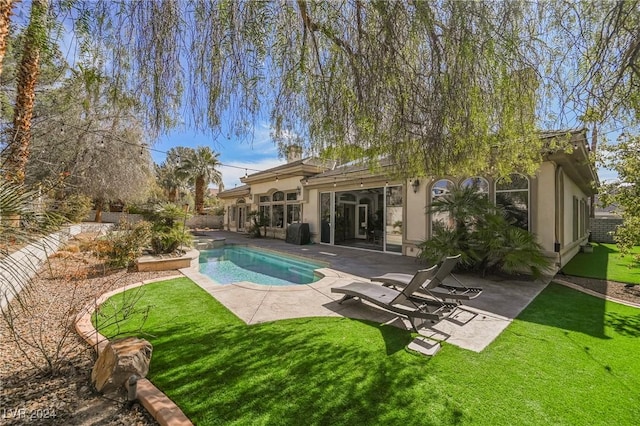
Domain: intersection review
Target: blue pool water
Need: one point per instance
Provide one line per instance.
(235, 263)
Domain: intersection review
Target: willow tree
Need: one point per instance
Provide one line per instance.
(441, 87)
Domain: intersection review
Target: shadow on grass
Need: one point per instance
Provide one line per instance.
(285, 372)
(625, 325)
(560, 307)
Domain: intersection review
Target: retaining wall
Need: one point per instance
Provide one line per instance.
(18, 268)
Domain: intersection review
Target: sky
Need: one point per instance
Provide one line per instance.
(236, 156)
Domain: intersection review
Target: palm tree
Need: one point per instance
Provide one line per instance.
(200, 166)
(5, 14)
(34, 40)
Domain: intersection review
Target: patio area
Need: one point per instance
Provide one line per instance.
(472, 326)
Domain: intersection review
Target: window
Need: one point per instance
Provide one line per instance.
(280, 209)
(480, 183)
(512, 194)
(440, 189)
(293, 213)
(576, 219)
(277, 216)
(265, 212)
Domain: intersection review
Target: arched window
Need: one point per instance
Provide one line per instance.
(278, 196)
(441, 189)
(480, 183)
(512, 194)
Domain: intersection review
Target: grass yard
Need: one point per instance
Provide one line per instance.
(605, 263)
(568, 359)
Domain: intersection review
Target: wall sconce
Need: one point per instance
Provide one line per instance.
(415, 184)
(299, 190)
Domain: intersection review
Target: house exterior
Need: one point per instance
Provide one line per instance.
(348, 205)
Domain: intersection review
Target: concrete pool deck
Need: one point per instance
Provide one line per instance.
(472, 326)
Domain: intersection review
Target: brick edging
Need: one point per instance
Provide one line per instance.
(595, 293)
(163, 409)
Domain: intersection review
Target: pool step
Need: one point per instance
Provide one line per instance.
(208, 243)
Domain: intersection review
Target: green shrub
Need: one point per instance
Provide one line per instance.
(75, 207)
(484, 235)
(168, 232)
(168, 240)
(125, 244)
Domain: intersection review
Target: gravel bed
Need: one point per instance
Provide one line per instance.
(626, 292)
(32, 394)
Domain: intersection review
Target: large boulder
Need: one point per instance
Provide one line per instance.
(118, 361)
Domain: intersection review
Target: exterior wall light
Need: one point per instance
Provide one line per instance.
(416, 185)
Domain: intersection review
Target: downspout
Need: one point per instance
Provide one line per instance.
(557, 246)
(594, 146)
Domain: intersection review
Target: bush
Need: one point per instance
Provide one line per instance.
(168, 232)
(168, 240)
(75, 207)
(124, 245)
(484, 235)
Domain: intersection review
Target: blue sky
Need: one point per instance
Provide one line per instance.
(259, 154)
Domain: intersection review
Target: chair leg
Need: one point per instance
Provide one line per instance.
(345, 297)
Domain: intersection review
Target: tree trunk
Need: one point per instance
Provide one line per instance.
(98, 217)
(35, 36)
(200, 187)
(173, 195)
(5, 14)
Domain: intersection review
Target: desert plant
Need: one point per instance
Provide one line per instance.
(168, 240)
(74, 207)
(168, 231)
(126, 243)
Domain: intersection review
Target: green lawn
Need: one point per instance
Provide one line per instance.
(568, 359)
(605, 263)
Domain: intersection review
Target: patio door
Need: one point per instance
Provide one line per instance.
(363, 222)
(242, 213)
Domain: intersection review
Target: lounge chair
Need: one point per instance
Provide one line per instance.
(435, 286)
(403, 302)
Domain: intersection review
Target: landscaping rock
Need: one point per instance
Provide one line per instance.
(118, 361)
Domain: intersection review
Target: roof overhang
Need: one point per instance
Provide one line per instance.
(576, 161)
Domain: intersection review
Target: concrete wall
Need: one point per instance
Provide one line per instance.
(196, 221)
(602, 229)
(17, 269)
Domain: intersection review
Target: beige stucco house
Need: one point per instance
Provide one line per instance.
(348, 205)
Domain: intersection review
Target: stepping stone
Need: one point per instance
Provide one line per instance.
(424, 346)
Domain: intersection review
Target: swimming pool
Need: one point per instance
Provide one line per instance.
(237, 263)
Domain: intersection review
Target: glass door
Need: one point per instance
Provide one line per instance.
(393, 219)
(363, 221)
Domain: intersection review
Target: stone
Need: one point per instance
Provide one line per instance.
(118, 361)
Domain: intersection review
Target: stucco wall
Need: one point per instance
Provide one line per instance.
(545, 206)
(415, 230)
